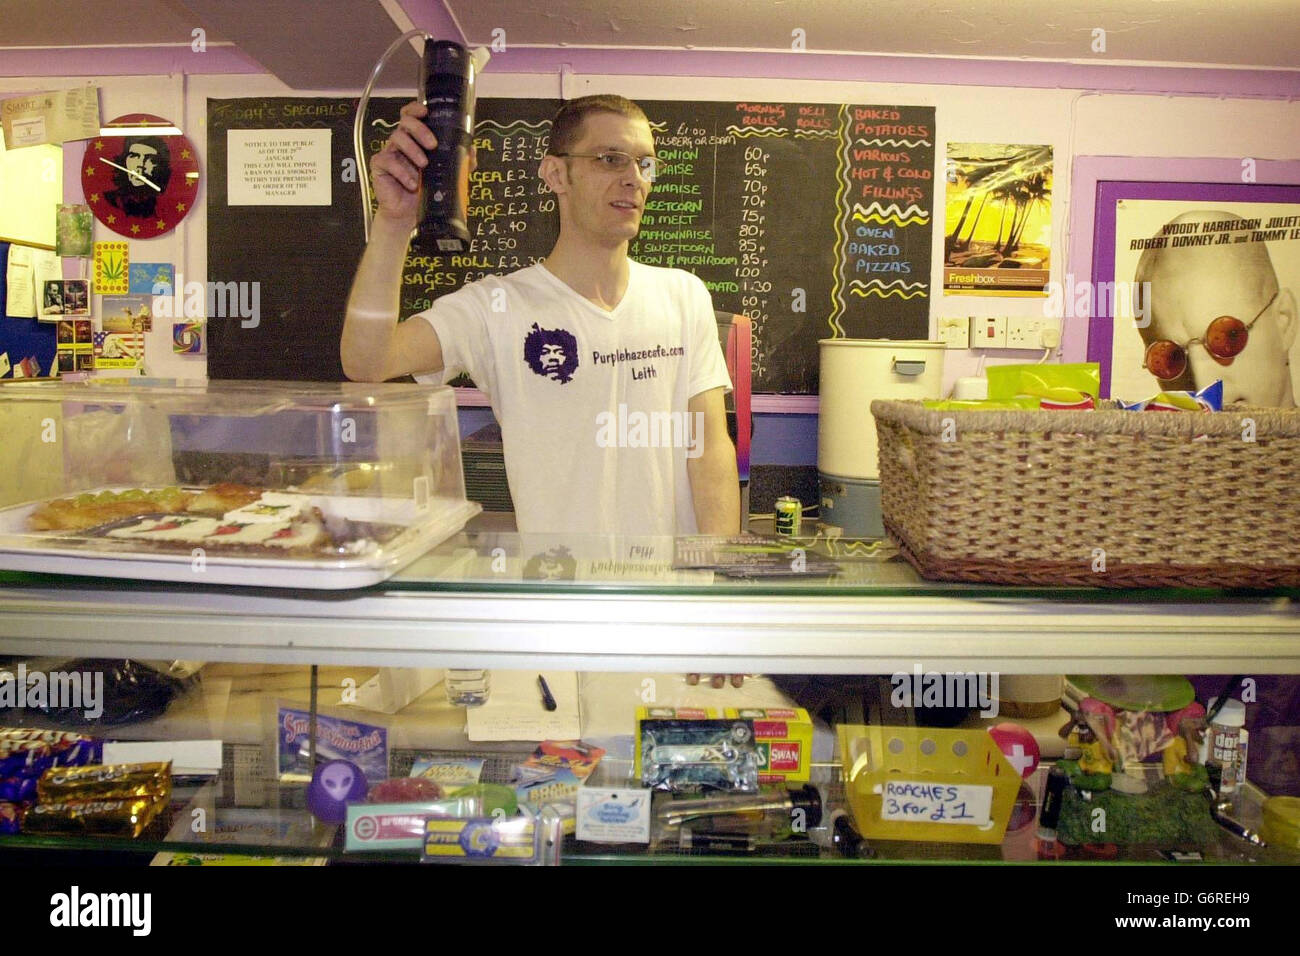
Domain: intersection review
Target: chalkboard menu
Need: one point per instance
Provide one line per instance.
(813, 219)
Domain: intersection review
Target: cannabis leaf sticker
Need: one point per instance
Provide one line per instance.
(113, 268)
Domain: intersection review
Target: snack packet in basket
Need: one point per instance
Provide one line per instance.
(1208, 399)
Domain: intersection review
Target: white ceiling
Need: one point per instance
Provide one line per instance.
(334, 43)
(1252, 33)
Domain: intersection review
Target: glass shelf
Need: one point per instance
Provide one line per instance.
(470, 602)
(493, 562)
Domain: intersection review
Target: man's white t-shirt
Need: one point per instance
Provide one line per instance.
(592, 404)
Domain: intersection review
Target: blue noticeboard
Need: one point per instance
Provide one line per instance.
(20, 338)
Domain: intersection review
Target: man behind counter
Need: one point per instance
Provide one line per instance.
(569, 349)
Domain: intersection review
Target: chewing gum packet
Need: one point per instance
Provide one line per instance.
(121, 781)
(1208, 399)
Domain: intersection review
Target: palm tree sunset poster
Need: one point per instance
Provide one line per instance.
(997, 219)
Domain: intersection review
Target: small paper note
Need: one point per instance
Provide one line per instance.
(52, 117)
(514, 710)
(919, 801)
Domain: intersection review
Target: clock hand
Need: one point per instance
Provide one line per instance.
(140, 176)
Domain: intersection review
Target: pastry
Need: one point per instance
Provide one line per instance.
(91, 510)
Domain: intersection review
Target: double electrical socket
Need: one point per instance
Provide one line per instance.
(1029, 332)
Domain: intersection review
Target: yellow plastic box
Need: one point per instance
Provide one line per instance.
(916, 783)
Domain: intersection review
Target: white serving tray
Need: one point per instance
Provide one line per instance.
(23, 550)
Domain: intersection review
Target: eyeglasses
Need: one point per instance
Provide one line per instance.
(1225, 338)
(615, 162)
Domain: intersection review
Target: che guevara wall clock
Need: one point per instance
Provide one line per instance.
(142, 180)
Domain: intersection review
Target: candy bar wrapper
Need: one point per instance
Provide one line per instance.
(11, 817)
(18, 789)
(1208, 399)
(27, 753)
(67, 749)
(24, 758)
(104, 817)
(122, 781)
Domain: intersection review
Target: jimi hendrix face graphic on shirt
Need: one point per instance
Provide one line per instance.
(551, 353)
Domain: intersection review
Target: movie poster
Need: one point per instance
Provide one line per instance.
(1206, 290)
(998, 219)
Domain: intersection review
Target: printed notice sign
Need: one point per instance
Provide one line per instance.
(50, 117)
(278, 167)
(914, 801)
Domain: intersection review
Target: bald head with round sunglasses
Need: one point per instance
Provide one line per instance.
(1217, 312)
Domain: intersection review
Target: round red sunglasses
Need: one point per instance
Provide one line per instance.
(1225, 338)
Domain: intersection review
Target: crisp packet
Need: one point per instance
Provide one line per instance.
(1208, 399)
(1062, 384)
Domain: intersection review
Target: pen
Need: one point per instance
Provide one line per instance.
(548, 701)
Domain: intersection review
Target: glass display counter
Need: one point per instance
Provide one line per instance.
(614, 610)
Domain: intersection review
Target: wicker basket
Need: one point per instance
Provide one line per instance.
(1101, 498)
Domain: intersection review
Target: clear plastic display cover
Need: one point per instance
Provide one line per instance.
(320, 485)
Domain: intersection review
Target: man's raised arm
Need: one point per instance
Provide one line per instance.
(375, 347)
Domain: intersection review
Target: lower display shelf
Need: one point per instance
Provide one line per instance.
(198, 827)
